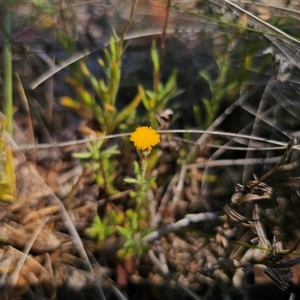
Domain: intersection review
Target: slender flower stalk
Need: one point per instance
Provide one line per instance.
(144, 139)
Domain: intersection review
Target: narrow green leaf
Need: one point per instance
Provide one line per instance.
(110, 230)
(123, 114)
(113, 47)
(208, 106)
(97, 220)
(155, 57)
(134, 223)
(108, 152)
(95, 166)
(92, 79)
(124, 232)
(83, 155)
(208, 79)
(86, 97)
(144, 97)
(150, 94)
(70, 103)
(92, 232)
(136, 167)
(129, 243)
(171, 83)
(133, 194)
(131, 180)
(10, 171)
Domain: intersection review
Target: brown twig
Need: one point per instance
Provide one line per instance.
(164, 33)
(129, 21)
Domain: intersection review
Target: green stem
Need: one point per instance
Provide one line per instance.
(8, 91)
(143, 182)
(104, 176)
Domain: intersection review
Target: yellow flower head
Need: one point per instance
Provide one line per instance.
(144, 138)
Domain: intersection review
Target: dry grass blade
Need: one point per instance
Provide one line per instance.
(274, 275)
(236, 216)
(66, 218)
(21, 261)
(262, 23)
(259, 228)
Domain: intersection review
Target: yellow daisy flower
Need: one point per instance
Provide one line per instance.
(144, 138)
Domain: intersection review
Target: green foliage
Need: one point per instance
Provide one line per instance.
(133, 231)
(8, 70)
(102, 163)
(218, 89)
(131, 225)
(136, 226)
(67, 41)
(142, 185)
(100, 102)
(7, 172)
(42, 9)
(45, 6)
(100, 229)
(155, 100)
(104, 228)
(133, 236)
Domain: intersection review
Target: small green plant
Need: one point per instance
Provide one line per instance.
(133, 232)
(102, 164)
(142, 185)
(155, 100)
(100, 229)
(144, 139)
(100, 102)
(218, 88)
(133, 224)
(104, 228)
